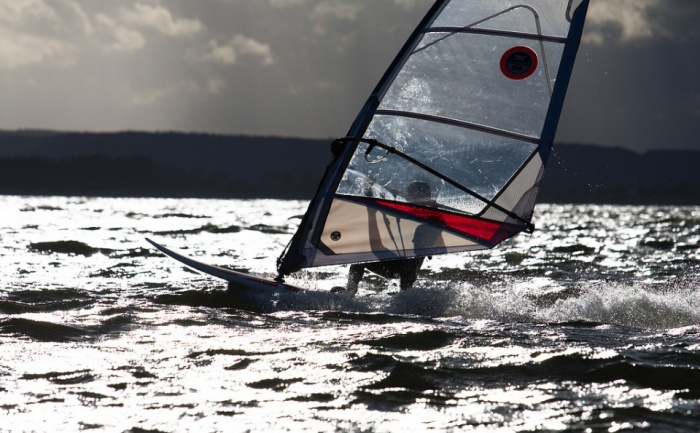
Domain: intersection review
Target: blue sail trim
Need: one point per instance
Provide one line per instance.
(565, 70)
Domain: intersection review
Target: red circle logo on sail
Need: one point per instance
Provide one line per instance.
(519, 63)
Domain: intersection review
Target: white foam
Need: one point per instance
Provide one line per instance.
(645, 305)
(637, 305)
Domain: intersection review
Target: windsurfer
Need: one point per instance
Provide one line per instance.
(405, 269)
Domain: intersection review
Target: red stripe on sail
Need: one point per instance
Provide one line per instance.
(487, 230)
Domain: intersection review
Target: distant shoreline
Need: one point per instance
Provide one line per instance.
(179, 165)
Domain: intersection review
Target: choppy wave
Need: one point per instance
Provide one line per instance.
(64, 247)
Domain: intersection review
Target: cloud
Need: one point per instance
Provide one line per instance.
(337, 9)
(155, 95)
(407, 4)
(19, 13)
(124, 39)
(228, 53)
(626, 20)
(282, 3)
(126, 27)
(21, 45)
(327, 14)
(18, 50)
(216, 85)
(80, 13)
(45, 16)
(159, 18)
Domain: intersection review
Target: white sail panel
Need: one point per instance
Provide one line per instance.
(519, 196)
(351, 226)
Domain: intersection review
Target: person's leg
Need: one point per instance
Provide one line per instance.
(404, 269)
(407, 279)
(409, 274)
(354, 277)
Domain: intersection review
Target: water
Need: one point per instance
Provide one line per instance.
(592, 324)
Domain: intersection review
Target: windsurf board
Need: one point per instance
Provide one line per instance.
(236, 279)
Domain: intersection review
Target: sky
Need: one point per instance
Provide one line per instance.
(304, 68)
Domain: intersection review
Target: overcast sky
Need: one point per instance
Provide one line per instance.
(305, 67)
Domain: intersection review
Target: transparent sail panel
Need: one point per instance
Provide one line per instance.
(520, 20)
(459, 76)
(508, 15)
(476, 160)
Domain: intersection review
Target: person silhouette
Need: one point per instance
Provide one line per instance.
(405, 269)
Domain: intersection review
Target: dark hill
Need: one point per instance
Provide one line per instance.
(160, 165)
(208, 166)
(593, 174)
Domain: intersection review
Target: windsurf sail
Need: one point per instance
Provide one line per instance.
(448, 152)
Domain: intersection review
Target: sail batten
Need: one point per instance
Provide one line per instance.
(491, 32)
(464, 118)
(456, 122)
